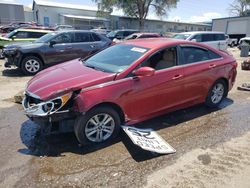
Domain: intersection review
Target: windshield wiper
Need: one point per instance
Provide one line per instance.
(90, 66)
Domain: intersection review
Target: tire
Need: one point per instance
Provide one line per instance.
(214, 99)
(86, 131)
(31, 65)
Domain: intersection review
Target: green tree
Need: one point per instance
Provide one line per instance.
(137, 8)
(239, 8)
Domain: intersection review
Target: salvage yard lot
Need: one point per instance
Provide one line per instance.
(213, 147)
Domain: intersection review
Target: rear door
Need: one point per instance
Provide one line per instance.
(83, 44)
(201, 67)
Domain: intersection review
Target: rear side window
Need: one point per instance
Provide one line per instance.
(96, 37)
(82, 37)
(219, 37)
(196, 54)
(35, 34)
(148, 36)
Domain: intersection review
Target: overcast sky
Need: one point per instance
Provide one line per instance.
(187, 10)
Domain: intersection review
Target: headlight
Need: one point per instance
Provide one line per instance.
(46, 108)
(11, 51)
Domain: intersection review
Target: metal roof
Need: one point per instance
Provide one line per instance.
(65, 5)
(84, 17)
(10, 3)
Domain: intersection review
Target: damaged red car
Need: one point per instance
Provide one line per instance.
(126, 84)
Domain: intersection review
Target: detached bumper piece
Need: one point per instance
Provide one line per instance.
(245, 65)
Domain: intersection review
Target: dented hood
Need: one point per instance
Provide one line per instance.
(66, 77)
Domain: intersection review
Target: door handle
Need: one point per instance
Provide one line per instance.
(69, 47)
(212, 66)
(177, 77)
(92, 46)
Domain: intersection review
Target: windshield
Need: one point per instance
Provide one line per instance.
(45, 38)
(116, 58)
(181, 36)
(111, 34)
(11, 34)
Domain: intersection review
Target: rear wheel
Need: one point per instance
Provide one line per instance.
(216, 93)
(31, 65)
(98, 125)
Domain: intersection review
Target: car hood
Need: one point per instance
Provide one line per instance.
(66, 77)
(4, 39)
(23, 45)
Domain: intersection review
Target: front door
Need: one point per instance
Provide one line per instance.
(61, 51)
(163, 90)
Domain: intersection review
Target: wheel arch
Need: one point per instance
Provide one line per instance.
(31, 54)
(114, 106)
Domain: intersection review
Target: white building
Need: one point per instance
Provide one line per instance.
(85, 17)
(80, 16)
(235, 27)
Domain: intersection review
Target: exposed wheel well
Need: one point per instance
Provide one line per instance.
(113, 106)
(31, 54)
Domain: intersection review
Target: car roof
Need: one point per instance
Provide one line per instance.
(145, 34)
(35, 30)
(157, 43)
(202, 32)
(73, 31)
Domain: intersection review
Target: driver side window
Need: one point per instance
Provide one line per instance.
(63, 38)
(163, 59)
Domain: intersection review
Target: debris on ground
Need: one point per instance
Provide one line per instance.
(244, 87)
(18, 98)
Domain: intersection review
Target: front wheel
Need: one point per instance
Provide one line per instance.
(216, 94)
(31, 65)
(98, 125)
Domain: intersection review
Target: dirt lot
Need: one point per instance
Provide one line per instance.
(213, 148)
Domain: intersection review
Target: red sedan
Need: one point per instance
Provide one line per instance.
(126, 84)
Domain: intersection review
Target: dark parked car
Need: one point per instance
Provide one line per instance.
(128, 83)
(120, 34)
(53, 48)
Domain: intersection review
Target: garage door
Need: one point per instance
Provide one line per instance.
(237, 27)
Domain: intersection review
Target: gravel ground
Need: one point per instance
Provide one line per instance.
(212, 147)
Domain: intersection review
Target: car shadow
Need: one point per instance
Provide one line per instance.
(13, 72)
(56, 144)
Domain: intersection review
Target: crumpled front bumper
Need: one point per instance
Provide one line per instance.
(34, 108)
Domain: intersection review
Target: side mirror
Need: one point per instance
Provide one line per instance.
(13, 38)
(118, 37)
(52, 43)
(144, 71)
(194, 40)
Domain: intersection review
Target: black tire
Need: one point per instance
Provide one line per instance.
(34, 63)
(210, 102)
(84, 121)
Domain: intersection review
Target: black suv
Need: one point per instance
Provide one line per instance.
(53, 48)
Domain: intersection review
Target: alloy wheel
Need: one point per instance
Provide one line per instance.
(217, 93)
(99, 127)
(32, 66)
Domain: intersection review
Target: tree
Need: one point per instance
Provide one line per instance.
(239, 8)
(137, 8)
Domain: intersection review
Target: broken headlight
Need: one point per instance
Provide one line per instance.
(45, 108)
